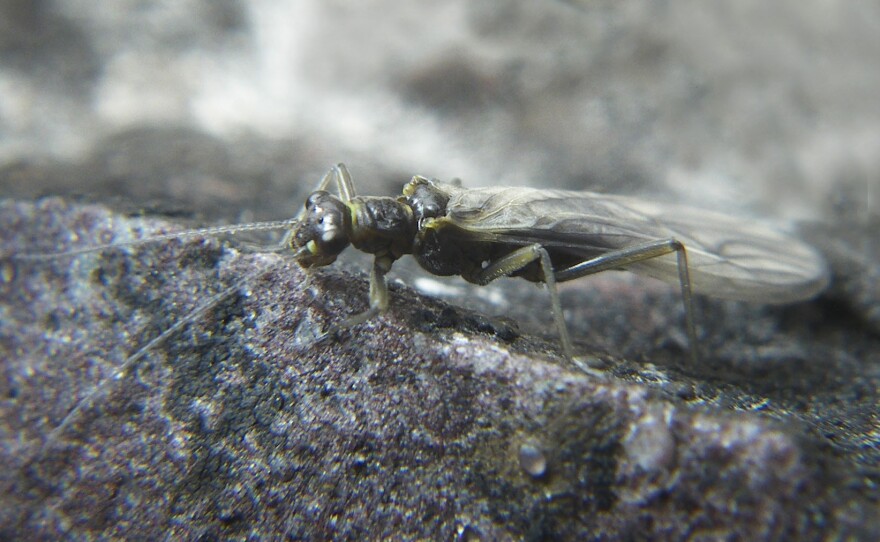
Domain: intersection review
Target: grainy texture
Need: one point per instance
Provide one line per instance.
(230, 111)
(408, 427)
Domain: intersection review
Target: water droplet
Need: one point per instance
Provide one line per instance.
(532, 460)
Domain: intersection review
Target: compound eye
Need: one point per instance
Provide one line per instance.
(324, 230)
(329, 225)
(316, 197)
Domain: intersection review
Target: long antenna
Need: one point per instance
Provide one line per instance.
(128, 365)
(202, 232)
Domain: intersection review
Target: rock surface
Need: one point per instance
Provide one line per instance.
(443, 419)
(410, 426)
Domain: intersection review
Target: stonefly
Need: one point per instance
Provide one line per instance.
(547, 236)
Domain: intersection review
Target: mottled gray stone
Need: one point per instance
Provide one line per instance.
(413, 426)
(410, 426)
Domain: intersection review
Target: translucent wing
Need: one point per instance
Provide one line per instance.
(728, 257)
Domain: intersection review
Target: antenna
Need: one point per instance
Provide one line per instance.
(202, 232)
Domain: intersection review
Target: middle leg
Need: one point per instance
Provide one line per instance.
(518, 259)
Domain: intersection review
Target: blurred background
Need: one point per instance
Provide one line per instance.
(234, 109)
(231, 111)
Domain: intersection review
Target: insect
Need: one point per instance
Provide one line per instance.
(547, 236)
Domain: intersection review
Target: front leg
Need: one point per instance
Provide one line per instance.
(379, 298)
(339, 176)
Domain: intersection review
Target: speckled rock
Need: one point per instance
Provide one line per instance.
(441, 420)
(411, 426)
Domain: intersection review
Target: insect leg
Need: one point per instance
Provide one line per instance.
(343, 182)
(340, 176)
(379, 299)
(619, 259)
(520, 258)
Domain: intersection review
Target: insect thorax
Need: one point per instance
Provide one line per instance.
(443, 249)
(382, 225)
